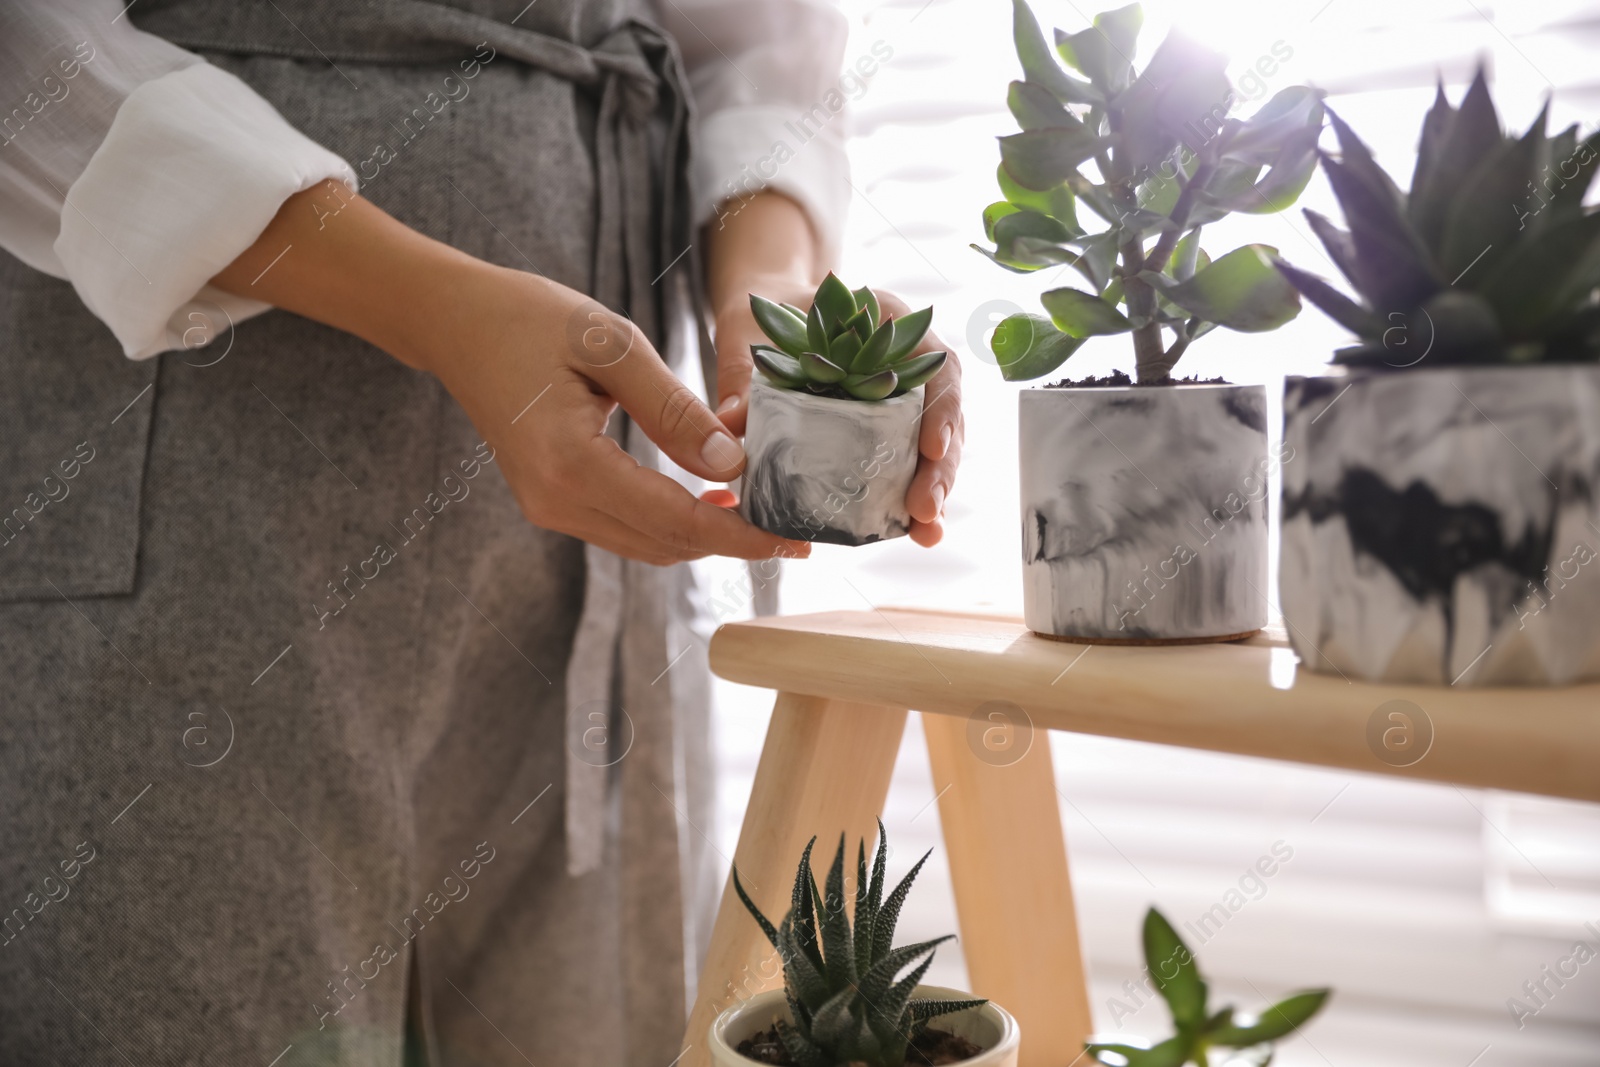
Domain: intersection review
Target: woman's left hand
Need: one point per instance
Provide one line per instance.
(742, 261)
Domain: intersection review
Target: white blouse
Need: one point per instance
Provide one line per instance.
(137, 171)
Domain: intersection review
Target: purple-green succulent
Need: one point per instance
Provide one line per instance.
(843, 347)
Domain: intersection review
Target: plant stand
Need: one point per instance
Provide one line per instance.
(846, 679)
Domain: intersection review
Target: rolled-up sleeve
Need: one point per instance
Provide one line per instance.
(135, 170)
(765, 77)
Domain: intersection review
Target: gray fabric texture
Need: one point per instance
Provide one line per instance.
(286, 660)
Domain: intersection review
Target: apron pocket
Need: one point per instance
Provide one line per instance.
(75, 420)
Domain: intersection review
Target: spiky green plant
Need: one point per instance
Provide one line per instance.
(840, 979)
(1490, 258)
(843, 347)
(1173, 969)
(1166, 160)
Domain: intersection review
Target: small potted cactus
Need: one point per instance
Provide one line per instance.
(843, 1000)
(1144, 510)
(1175, 973)
(1442, 507)
(831, 441)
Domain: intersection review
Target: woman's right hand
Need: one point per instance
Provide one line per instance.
(538, 367)
(541, 384)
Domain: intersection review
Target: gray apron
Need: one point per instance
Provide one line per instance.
(302, 722)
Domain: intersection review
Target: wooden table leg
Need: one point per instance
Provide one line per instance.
(825, 767)
(1008, 862)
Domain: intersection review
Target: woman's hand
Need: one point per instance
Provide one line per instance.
(578, 362)
(766, 246)
(538, 367)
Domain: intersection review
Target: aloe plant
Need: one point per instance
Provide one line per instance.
(1491, 256)
(841, 979)
(1173, 969)
(1167, 161)
(843, 347)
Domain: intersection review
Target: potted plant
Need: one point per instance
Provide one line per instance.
(1172, 968)
(831, 441)
(1144, 506)
(1442, 509)
(843, 1000)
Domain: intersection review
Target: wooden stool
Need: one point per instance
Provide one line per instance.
(990, 690)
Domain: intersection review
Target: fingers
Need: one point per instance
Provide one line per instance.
(940, 443)
(666, 409)
(569, 476)
(941, 404)
(659, 507)
(931, 485)
(735, 335)
(927, 534)
(618, 537)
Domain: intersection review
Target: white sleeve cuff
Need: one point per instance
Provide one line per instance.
(194, 167)
(747, 148)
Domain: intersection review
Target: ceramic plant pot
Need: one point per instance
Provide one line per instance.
(1144, 512)
(834, 471)
(990, 1027)
(1441, 525)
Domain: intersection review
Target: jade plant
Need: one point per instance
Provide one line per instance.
(843, 347)
(1176, 975)
(840, 978)
(1490, 258)
(1155, 156)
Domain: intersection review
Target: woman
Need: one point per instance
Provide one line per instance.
(353, 684)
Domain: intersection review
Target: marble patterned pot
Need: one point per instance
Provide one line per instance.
(1144, 512)
(1441, 525)
(990, 1027)
(834, 471)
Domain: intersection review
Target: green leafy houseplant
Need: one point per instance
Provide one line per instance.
(1490, 258)
(839, 978)
(1167, 160)
(843, 347)
(1173, 969)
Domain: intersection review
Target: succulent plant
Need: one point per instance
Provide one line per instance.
(840, 979)
(1173, 969)
(843, 347)
(1491, 257)
(1167, 160)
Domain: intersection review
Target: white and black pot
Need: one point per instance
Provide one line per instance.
(990, 1027)
(1144, 512)
(1441, 525)
(834, 471)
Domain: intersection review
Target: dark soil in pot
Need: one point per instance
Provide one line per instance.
(931, 1047)
(1118, 379)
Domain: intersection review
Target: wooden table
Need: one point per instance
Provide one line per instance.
(989, 689)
